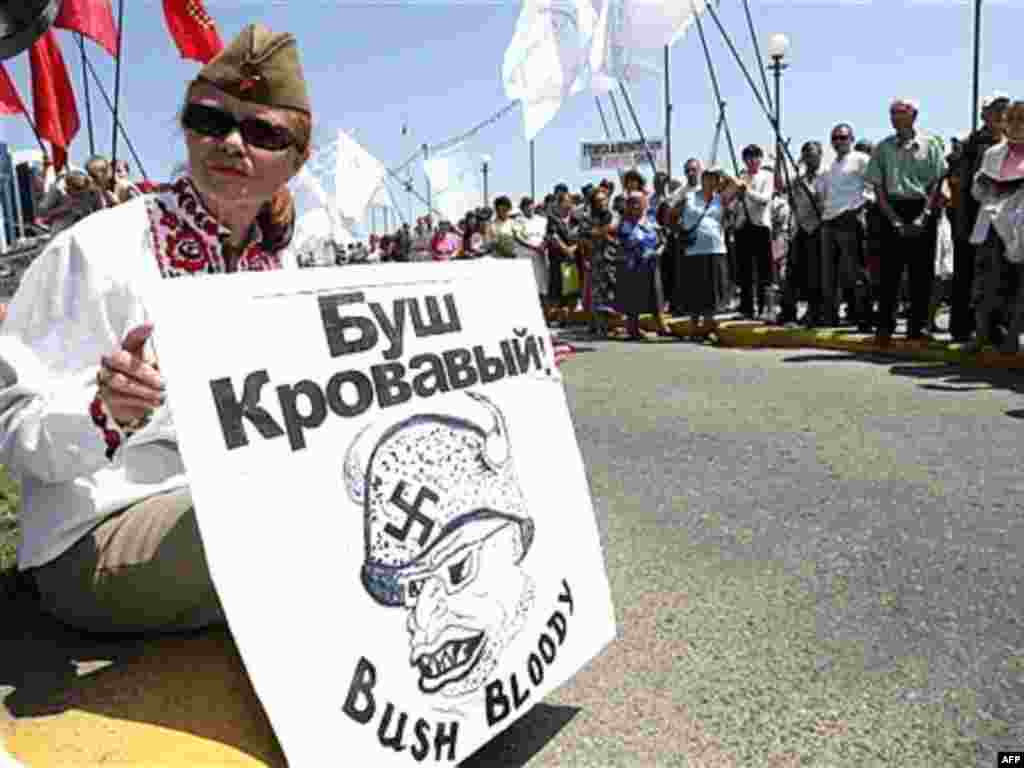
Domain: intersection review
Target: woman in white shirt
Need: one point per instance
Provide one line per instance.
(109, 533)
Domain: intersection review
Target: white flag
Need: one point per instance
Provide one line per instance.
(630, 35)
(357, 176)
(544, 61)
(455, 176)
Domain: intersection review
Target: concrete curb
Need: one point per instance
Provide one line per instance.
(752, 334)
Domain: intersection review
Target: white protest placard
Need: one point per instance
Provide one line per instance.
(620, 155)
(391, 498)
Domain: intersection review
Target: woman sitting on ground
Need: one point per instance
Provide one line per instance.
(109, 533)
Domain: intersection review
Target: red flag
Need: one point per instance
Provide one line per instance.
(52, 97)
(10, 99)
(192, 29)
(93, 18)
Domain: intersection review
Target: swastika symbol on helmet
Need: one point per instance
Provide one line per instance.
(412, 512)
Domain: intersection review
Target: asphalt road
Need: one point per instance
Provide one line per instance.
(814, 558)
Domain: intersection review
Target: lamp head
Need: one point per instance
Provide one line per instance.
(778, 46)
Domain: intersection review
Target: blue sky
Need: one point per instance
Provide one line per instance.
(437, 65)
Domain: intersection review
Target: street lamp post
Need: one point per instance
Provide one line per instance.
(977, 65)
(778, 45)
(485, 167)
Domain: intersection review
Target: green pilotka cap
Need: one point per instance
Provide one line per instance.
(262, 67)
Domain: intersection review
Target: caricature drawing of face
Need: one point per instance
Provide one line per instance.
(465, 605)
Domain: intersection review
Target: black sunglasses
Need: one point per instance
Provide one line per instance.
(218, 124)
(841, 137)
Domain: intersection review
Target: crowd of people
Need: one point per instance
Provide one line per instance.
(62, 200)
(896, 228)
(888, 229)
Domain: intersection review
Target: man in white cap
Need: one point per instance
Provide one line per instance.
(961, 321)
(906, 170)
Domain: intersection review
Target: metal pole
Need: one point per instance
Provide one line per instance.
(717, 91)
(757, 49)
(117, 80)
(430, 191)
(604, 122)
(88, 100)
(533, 172)
(485, 185)
(668, 116)
(977, 65)
(618, 117)
(117, 121)
(639, 130)
(777, 67)
(739, 61)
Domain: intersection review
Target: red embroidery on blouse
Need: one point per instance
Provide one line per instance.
(187, 239)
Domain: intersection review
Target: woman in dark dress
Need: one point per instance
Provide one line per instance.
(638, 289)
(604, 254)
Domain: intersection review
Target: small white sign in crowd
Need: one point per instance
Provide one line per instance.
(620, 155)
(391, 498)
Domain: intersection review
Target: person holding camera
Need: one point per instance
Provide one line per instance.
(755, 190)
(697, 221)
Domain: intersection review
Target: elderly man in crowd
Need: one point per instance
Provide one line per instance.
(906, 170)
(842, 230)
(961, 320)
(803, 262)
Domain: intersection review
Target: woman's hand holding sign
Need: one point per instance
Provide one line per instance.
(129, 381)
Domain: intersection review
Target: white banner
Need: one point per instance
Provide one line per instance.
(620, 155)
(391, 498)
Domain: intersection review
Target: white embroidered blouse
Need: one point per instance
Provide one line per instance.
(76, 302)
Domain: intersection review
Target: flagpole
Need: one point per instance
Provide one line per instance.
(35, 130)
(117, 81)
(639, 130)
(757, 52)
(117, 121)
(618, 117)
(668, 116)
(88, 101)
(604, 122)
(533, 173)
(718, 93)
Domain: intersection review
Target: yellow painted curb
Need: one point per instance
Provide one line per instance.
(752, 335)
(186, 701)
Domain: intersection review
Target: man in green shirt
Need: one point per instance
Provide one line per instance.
(906, 170)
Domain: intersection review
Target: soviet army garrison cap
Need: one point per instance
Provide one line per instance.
(261, 67)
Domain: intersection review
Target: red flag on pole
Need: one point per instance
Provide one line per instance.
(52, 97)
(193, 30)
(10, 99)
(92, 18)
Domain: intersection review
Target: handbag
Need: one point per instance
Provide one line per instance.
(690, 235)
(570, 278)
